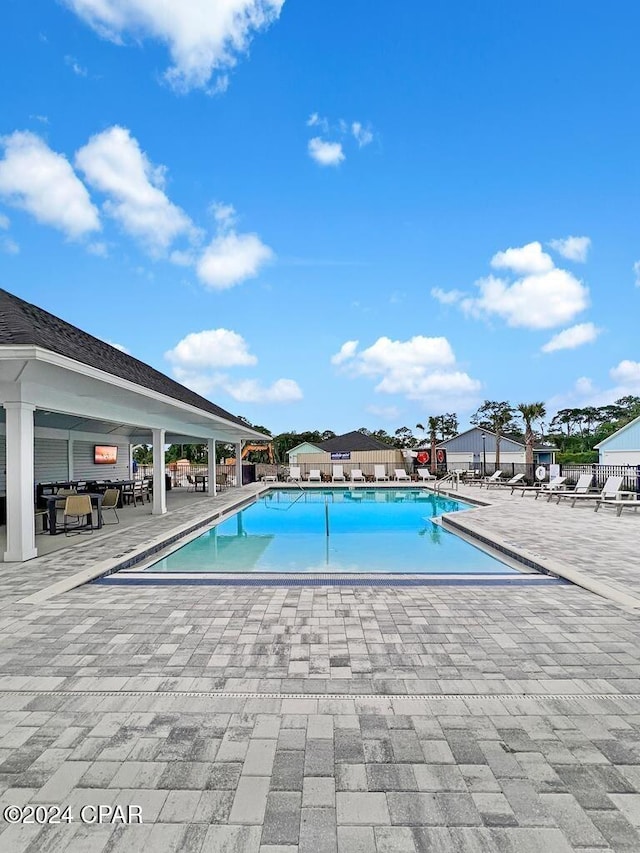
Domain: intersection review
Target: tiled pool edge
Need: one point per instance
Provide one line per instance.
(547, 567)
(108, 567)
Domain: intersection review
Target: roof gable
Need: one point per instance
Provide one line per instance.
(353, 441)
(615, 435)
(23, 323)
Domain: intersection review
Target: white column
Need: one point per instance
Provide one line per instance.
(211, 466)
(159, 485)
(21, 530)
(70, 458)
(238, 447)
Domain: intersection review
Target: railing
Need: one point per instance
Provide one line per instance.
(629, 473)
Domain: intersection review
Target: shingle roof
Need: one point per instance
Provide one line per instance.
(23, 323)
(353, 441)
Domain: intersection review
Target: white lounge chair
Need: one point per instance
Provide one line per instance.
(582, 487)
(294, 474)
(379, 473)
(511, 483)
(541, 488)
(425, 474)
(314, 476)
(357, 476)
(401, 474)
(610, 493)
(492, 479)
(338, 474)
(618, 504)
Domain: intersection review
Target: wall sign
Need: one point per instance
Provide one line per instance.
(341, 456)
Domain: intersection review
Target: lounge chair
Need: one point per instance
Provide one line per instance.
(610, 493)
(542, 488)
(401, 474)
(357, 476)
(294, 474)
(511, 483)
(314, 476)
(379, 473)
(582, 487)
(338, 474)
(425, 474)
(492, 479)
(618, 504)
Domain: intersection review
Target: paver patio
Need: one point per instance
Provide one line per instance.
(443, 718)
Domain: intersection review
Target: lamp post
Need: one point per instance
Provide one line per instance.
(484, 455)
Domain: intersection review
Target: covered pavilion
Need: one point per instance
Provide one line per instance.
(64, 391)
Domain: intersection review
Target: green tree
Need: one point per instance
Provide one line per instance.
(530, 412)
(495, 417)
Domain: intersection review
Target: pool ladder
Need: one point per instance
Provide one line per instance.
(452, 479)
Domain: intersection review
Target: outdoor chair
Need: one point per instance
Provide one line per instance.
(424, 474)
(379, 473)
(78, 507)
(357, 476)
(618, 504)
(110, 501)
(610, 493)
(294, 474)
(338, 474)
(401, 474)
(582, 487)
(221, 481)
(314, 476)
(541, 488)
(492, 479)
(191, 487)
(44, 515)
(500, 484)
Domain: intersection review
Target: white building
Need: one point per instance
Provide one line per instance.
(64, 392)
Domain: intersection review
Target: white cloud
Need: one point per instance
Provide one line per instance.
(387, 413)
(211, 348)
(224, 214)
(626, 381)
(316, 120)
(627, 374)
(347, 351)
(232, 258)
(576, 336)
(75, 66)
(538, 296)
(446, 297)
(325, 153)
(9, 246)
(42, 182)
(203, 36)
(251, 391)
(572, 248)
(636, 272)
(363, 135)
(113, 163)
(118, 346)
(533, 302)
(420, 368)
(5, 222)
(525, 260)
(98, 248)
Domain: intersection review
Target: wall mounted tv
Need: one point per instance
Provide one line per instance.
(105, 454)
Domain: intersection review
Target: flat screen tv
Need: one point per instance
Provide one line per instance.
(105, 454)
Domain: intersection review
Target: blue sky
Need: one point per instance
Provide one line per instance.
(241, 191)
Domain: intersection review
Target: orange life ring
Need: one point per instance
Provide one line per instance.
(440, 455)
(423, 457)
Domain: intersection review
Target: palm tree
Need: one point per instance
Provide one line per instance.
(530, 412)
(433, 423)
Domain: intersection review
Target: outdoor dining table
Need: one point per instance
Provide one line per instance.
(200, 480)
(52, 500)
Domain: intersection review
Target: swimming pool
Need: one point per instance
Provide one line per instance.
(335, 530)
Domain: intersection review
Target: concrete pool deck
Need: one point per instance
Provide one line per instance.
(292, 720)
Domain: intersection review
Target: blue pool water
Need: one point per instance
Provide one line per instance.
(335, 531)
